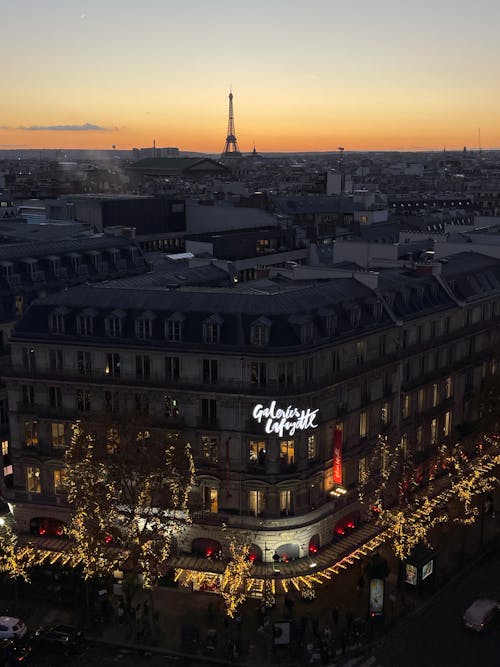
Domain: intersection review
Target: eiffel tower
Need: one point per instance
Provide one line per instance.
(231, 147)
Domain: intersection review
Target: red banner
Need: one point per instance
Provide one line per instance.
(337, 455)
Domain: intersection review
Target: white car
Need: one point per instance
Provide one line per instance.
(481, 614)
(11, 628)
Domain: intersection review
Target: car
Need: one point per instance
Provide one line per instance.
(65, 639)
(11, 628)
(13, 652)
(481, 614)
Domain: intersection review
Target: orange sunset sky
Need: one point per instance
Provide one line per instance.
(306, 75)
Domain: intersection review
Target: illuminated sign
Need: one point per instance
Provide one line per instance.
(427, 569)
(376, 597)
(411, 574)
(337, 455)
(281, 420)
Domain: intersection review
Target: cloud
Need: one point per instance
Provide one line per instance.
(85, 127)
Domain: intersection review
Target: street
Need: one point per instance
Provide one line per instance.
(437, 638)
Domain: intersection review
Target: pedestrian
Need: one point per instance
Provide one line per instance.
(335, 616)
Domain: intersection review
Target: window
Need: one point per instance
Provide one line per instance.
(170, 406)
(172, 368)
(4, 412)
(306, 332)
(29, 358)
(312, 448)
(420, 400)
(360, 352)
(257, 452)
(435, 395)
(258, 373)
(287, 452)
(112, 440)
(209, 411)
(142, 366)
(210, 371)
(308, 370)
(420, 439)
(5, 447)
(434, 431)
(404, 446)
(144, 328)
(211, 332)
(19, 306)
(57, 323)
(286, 502)
(256, 502)
(84, 363)
(33, 483)
(111, 401)
(55, 397)
(259, 334)
(385, 415)
(85, 325)
(60, 480)
(28, 394)
(142, 404)
(113, 364)
(209, 449)
(31, 433)
(363, 470)
(355, 316)
(83, 400)
(331, 324)
(447, 424)
(286, 373)
(336, 361)
(56, 360)
(363, 424)
(173, 330)
(114, 326)
(448, 387)
(57, 435)
(405, 406)
(210, 498)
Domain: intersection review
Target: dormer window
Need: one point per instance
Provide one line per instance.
(173, 327)
(114, 323)
(304, 326)
(354, 315)
(330, 320)
(57, 321)
(85, 322)
(377, 310)
(212, 329)
(259, 331)
(144, 325)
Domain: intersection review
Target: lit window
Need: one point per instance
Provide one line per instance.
(210, 497)
(33, 483)
(363, 424)
(435, 395)
(209, 449)
(312, 448)
(5, 447)
(420, 400)
(405, 407)
(256, 502)
(447, 424)
(448, 387)
(57, 433)
(31, 433)
(60, 480)
(287, 452)
(257, 452)
(434, 431)
(286, 502)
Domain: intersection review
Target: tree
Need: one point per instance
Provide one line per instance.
(15, 561)
(235, 575)
(128, 485)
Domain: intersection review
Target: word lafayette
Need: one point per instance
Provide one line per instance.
(291, 419)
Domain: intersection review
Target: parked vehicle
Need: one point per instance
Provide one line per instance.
(60, 638)
(13, 652)
(11, 628)
(481, 614)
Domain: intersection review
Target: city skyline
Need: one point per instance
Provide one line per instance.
(305, 76)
